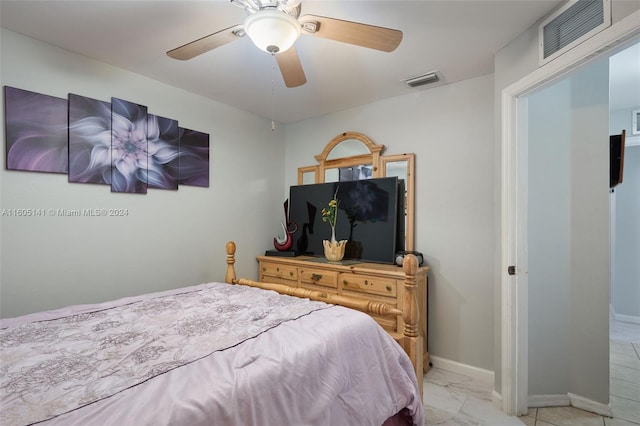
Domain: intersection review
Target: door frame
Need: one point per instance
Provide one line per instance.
(514, 184)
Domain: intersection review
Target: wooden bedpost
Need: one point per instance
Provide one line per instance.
(230, 276)
(411, 340)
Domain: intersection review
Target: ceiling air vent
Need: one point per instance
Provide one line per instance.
(573, 23)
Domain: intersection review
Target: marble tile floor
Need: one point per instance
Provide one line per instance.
(624, 372)
(452, 399)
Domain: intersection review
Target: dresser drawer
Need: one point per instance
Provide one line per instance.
(320, 277)
(369, 284)
(283, 272)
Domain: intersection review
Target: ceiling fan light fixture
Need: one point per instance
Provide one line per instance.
(271, 30)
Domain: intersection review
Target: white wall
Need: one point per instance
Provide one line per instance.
(620, 119)
(625, 288)
(450, 130)
(625, 295)
(170, 238)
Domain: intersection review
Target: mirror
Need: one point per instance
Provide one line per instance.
(353, 156)
(348, 148)
(348, 172)
(307, 175)
(402, 166)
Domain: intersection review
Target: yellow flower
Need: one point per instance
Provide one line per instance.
(331, 214)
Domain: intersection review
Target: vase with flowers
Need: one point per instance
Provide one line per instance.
(333, 249)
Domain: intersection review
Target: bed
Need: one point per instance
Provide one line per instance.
(211, 354)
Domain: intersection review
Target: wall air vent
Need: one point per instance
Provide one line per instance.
(421, 80)
(573, 23)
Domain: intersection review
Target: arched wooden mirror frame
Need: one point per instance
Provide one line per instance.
(382, 166)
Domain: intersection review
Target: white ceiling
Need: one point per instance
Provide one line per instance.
(456, 37)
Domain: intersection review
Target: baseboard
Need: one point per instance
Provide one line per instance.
(612, 312)
(590, 405)
(621, 317)
(627, 318)
(632, 141)
(496, 399)
(467, 370)
(570, 399)
(539, 401)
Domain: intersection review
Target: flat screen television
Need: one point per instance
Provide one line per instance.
(370, 217)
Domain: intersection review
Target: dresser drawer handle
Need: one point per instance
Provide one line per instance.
(345, 282)
(291, 273)
(366, 282)
(316, 277)
(389, 288)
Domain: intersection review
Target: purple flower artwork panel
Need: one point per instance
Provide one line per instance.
(194, 158)
(115, 143)
(163, 139)
(35, 131)
(89, 140)
(129, 147)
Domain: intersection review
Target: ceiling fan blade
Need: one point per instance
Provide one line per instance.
(291, 68)
(370, 36)
(206, 43)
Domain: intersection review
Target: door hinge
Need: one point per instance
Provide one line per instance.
(511, 270)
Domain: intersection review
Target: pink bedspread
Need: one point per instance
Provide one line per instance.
(300, 364)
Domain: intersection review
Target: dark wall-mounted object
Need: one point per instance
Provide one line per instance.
(616, 158)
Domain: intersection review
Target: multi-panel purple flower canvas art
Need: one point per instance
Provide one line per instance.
(36, 131)
(163, 136)
(194, 158)
(129, 154)
(119, 143)
(89, 140)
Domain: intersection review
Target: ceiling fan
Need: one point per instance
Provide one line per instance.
(275, 25)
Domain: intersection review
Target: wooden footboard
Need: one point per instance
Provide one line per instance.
(410, 339)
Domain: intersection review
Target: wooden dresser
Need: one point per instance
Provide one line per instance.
(373, 281)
